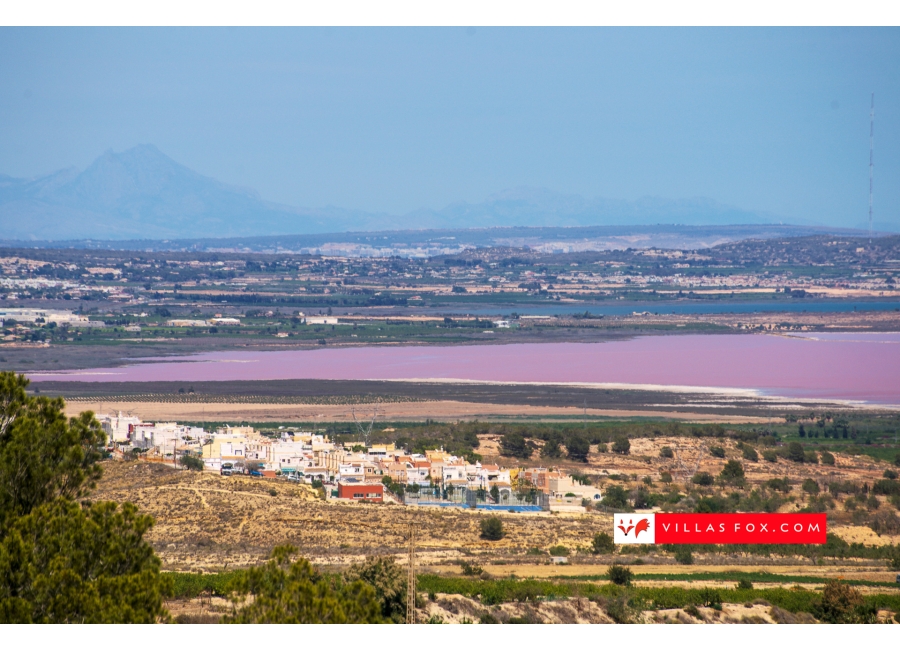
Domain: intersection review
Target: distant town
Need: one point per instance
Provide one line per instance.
(352, 471)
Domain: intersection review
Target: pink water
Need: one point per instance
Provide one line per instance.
(828, 366)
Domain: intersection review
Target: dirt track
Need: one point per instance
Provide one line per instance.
(435, 410)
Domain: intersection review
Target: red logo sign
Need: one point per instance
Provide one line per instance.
(742, 528)
(639, 527)
(732, 528)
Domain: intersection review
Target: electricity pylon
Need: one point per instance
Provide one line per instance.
(411, 579)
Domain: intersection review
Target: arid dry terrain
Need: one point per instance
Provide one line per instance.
(206, 521)
(210, 524)
(445, 410)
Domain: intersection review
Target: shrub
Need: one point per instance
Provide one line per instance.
(750, 454)
(827, 458)
(810, 486)
(621, 445)
(558, 551)
(717, 452)
(811, 457)
(488, 619)
(665, 477)
(841, 603)
(795, 452)
(617, 610)
(514, 444)
(779, 484)
(602, 544)
(389, 581)
(683, 555)
(693, 611)
(619, 575)
(192, 463)
(643, 499)
(744, 583)
(492, 529)
(770, 456)
(710, 598)
(890, 474)
(702, 478)
(885, 523)
(469, 569)
(666, 452)
(551, 449)
(615, 497)
(282, 591)
(886, 487)
(714, 503)
(578, 449)
(733, 472)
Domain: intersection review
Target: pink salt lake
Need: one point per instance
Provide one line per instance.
(837, 366)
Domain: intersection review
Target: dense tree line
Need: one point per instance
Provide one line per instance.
(64, 559)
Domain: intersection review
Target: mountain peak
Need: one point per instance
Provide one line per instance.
(141, 193)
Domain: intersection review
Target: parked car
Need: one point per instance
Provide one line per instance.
(255, 473)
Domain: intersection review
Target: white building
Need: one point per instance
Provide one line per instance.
(290, 454)
(165, 436)
(46, 315)
(566, 490)
(118, 427)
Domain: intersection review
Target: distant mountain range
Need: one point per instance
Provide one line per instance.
(418, 243)
(143, 194)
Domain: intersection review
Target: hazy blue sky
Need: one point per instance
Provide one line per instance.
(396, 119)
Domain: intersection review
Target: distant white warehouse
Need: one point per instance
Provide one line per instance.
(59, 317)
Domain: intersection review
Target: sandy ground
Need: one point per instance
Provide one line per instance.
(865, 535)
(435, 410)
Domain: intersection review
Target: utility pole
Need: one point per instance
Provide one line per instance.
(411, 579)
(871, 162)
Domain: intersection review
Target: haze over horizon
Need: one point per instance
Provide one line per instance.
(768, 123)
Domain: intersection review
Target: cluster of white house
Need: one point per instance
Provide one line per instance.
(311, 456)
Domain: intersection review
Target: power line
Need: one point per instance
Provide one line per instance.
(411, 578)
(871, 162)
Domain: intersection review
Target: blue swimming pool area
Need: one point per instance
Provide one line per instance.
(493, 507)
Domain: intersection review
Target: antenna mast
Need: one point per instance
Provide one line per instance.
(871, 161)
